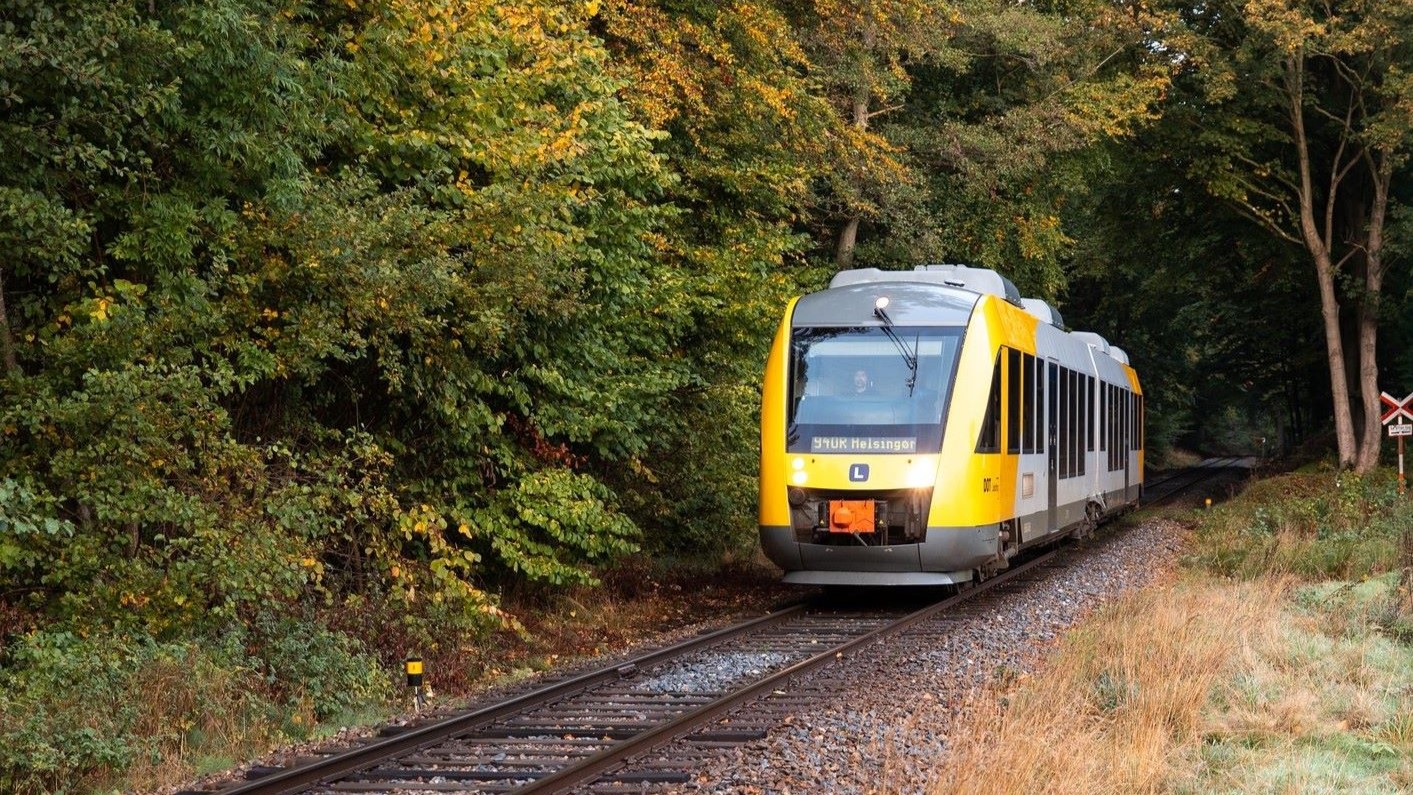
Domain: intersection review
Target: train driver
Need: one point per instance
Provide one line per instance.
(863, 385)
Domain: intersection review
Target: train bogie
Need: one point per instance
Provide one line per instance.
(919, 428)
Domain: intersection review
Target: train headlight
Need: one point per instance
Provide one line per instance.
(799, 477)
(922, 472)
(798, 464)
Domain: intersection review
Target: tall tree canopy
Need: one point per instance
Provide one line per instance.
(370, 311)
(1301, 116)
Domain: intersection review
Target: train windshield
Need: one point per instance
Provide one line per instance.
(870, 389)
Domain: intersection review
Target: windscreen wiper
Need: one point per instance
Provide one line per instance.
(909, 355)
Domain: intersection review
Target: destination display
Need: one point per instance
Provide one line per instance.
(863, 444)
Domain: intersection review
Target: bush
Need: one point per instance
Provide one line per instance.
(1312, 525)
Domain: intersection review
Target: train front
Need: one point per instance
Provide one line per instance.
(856, 396)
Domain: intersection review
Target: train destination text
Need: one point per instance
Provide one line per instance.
(863, 444)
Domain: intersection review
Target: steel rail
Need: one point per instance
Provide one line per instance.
(602, 762)
(302, 776)
(1205, 471)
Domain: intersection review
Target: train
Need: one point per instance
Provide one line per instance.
(922, 427)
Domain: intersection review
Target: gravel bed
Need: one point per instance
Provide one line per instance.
(887, 731)
(712, 672)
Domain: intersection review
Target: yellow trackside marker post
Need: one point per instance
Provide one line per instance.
(1209, 503)
(413, 666)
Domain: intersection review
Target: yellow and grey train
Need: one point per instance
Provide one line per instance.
(922, 427)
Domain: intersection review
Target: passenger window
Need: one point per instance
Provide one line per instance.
(990, 440)
(1013, 401)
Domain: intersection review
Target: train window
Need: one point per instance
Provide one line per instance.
(1103, 417)
(1089, 413)
(1051, 422)
(1137, 422)
(1139, 435)
(1123, 426)
(1076, 422)
(1032, 404)
(867, 390)
(1112, 420)
(1013, 400)
(990, 440)
(1065, 415)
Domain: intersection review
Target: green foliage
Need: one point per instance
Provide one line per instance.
(287, 365)
(79, 712)
(1317, 526)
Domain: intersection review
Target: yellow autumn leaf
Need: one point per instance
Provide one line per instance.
(100, 311)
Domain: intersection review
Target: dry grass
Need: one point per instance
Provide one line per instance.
(183, 709)
(1205, 686)
(1122, 697)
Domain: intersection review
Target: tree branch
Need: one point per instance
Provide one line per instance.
(882, 111)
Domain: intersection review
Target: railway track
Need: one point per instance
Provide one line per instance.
(1173, 485)
(580, 733)
(605, 731)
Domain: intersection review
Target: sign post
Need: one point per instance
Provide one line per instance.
(1401, 410)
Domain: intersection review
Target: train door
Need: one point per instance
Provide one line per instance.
(1052, 445)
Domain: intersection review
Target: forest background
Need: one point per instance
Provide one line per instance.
(323, 325)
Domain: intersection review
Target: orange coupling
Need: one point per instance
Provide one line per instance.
(851, 516)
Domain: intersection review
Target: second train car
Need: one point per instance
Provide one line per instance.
(922, 427)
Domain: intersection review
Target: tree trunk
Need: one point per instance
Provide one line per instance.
(848, 236)
(1319, 247)
(1334, 351)
(7, 341)
(1382, 173)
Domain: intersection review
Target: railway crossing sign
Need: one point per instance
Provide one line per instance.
(1395, 408)
(1402, 410)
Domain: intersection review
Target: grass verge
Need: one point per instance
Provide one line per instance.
(1280, 659)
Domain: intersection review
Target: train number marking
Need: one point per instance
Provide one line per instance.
(988, 485)
(858, 473)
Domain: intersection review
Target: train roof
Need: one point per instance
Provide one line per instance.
(1044, 311)
(908, 303)
(928, 295)
(1095, 341)
(977, 280)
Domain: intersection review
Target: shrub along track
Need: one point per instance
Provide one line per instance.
(583, 730)
(648, 723)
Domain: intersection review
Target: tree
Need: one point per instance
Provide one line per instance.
(1306, 117)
